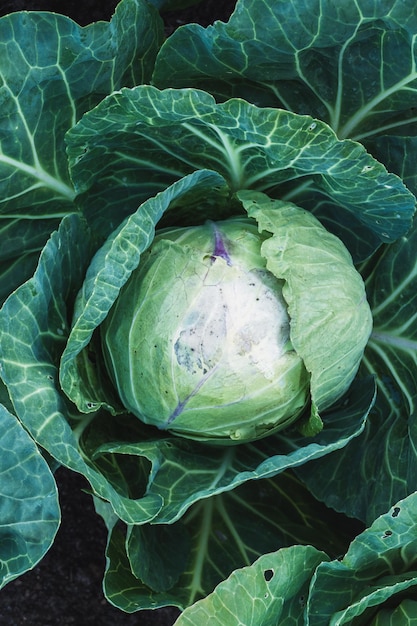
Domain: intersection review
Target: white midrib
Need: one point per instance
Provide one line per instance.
(41, 176)
(392, 340)
(229, 153)
(355, 120)
(36, 171)
(201, 551)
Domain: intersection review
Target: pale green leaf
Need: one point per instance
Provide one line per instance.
(82, 376)
(271, 591)
(380, 565)
(330, 325)
(386, 451)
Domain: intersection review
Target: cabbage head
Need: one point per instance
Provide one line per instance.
(201, 340)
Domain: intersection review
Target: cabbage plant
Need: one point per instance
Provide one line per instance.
(148, 187)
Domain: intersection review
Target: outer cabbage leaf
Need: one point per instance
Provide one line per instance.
(380, 565)
(273, 588)
(182, 472)
(382, 461)
(352, 65)
(398, 155)
(81, 374)
(329, 329)
(29, 509)
(138, 141)
(34, 324)
(215, 537)
(374, 583)
(405, 613)
(172, 5)
(22, 239)
(51, 72)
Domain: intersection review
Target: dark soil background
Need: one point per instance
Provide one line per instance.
(65, 587)
(84, 12)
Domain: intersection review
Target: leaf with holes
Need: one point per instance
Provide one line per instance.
(180, 563)
(273, 588)
(376, 577)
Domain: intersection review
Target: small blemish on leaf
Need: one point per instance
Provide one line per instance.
(396, 511)
(220, 536)
(268, 574)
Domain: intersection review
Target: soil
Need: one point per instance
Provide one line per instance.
(87, 11)
(65, 587)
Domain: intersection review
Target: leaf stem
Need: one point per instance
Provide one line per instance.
(204, 534)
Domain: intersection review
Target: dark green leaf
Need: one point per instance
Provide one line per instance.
(34, 323)
(29, 509)
(158, 554)
(218, 535)
(184, 471)
(51, 72)
(139, 141)
(404, 613)
(172, 5)
(350, 64)
(398, 154)
(24, 238)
